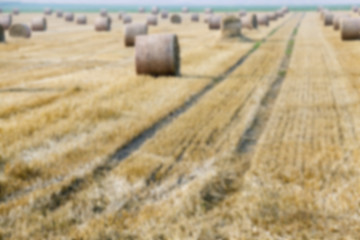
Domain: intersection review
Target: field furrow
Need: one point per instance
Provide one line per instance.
(111, 111)
(258, 137)
(179, 152)
(167, 176)
(303, 179)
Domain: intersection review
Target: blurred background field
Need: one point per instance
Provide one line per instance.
(39, 7)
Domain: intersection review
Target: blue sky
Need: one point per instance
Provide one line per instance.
(198, 2)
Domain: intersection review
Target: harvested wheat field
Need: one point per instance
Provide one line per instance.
(176, 130)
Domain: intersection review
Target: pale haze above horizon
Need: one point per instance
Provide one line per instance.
(190, 2)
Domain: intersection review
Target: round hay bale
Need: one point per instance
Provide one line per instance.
(20, 30)
(279, 14)
(249, 22)
(103, 12)
(155, 10)
(337, 21)
(195, 17)
(254, 21)
(16, 11)
(157, 54)
(81, 19)
(133, 30)
(208, 10)
(175, 18)
(1, 10)
(355, 9)
(350, 29)
(242, 13)
(2, 34)
(263, 20)
(207, 18)
(120, 15)
(102, 24)
(151, 20)
(231, 27)
(69, 17)
(59, 13)
(141, 9)
(285, 10)
(127, 19)
(5, 21)
(164, 14)
(185, 10)
(272, 16)
(328, 19)
(38, 24)
(48, 11)
(214, 22)
(323, 12)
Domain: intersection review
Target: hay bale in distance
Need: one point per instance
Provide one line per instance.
(48, 11)
(5, 21)
(185, 10)
(69, 17)
(195, 17)
(176, 19)
(279, 14)
(208, 11)
(2, 34)
(272, 16)
(133, 30)
(350, 29)
(323, 12)
(127, 19)
(155, 10)
(214, 22)
(120, 15)
(59, 14)
(20, 30)
(254, 21)
(242, 13)
(249, 22)
(38, 24)
(207, 17)
(157, 54)
(16, 11)
(81, 19)
(141, 9)
(151, 20)
(1, 10)
(328, 19)
(103, 12)
(102, 24)
(263, 19)
(337, 21)
(285, 10)
(164, 14)
(231, 27)
(355, 9)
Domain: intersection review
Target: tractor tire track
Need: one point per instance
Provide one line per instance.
(77, 184)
